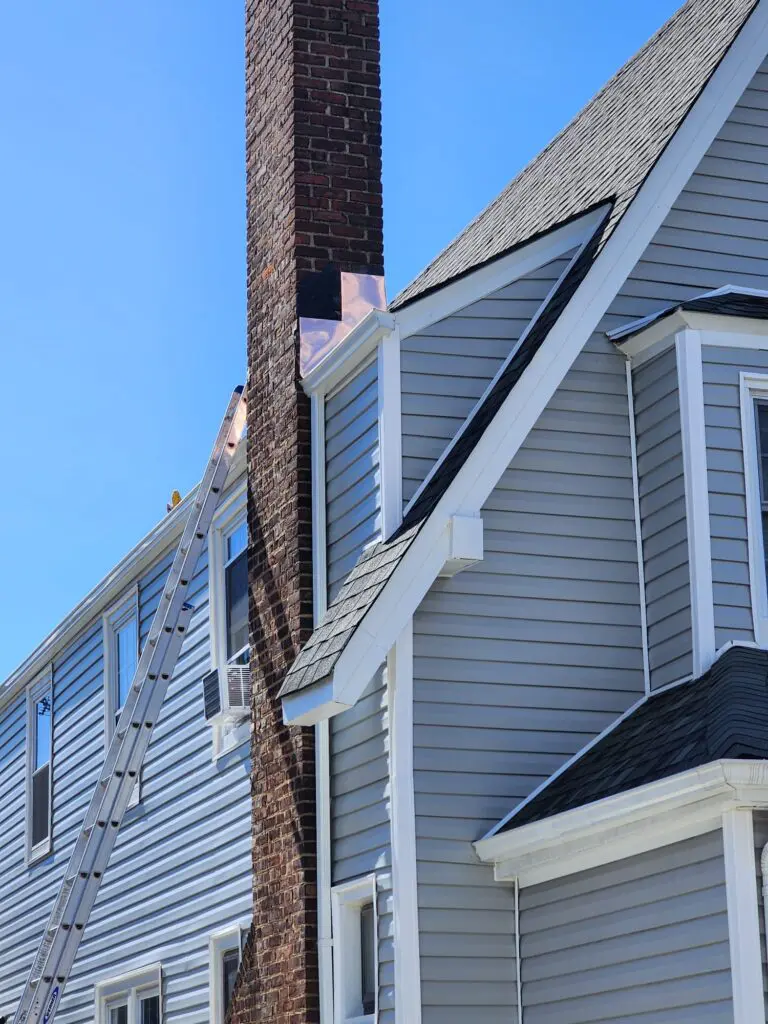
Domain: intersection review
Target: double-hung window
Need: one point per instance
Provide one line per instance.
(121, 656)
(227, 687)
(131, 999)
(39, 767)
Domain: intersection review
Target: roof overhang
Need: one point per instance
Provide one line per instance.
(427, 553)
(668, 811)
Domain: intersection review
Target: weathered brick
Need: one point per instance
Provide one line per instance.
(313, 161)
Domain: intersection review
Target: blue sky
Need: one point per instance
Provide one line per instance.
(122, 275)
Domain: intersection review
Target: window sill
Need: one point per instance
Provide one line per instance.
(228, 739)
(39, 853)
(369, 1018)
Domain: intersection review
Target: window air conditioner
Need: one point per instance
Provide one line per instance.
(227, 699)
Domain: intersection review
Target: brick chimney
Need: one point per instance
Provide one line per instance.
(313, 155)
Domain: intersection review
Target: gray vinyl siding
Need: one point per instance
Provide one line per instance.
(727, 494)
(643, 939)
(445, 368)
(352, 485)
(661, 487)
(519, 662)
(181, 868)
(360, 822)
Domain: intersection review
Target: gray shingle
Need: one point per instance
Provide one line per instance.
(602, 157)
(606, 152)
(724, 714)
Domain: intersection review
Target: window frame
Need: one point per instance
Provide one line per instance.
(125, 608)
(347, 901)
(754, 389)
(42, 685)
(230, 514)
(129, 988)
(219, 943)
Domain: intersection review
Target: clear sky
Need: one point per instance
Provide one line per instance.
(122, 275)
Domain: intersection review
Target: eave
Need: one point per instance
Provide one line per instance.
(663, 812)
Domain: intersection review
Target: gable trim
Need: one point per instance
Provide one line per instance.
(642, 819)
(504, 435)
(480, 283)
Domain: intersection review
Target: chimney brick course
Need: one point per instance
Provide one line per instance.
(313, 163)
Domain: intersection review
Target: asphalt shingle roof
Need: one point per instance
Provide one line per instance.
(726, 303)
(723, 714)
(603, 156)
(607, 150)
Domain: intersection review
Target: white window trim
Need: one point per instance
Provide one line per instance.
(131, 986)
(218, 944)
(346, 901)
(754, 386)
(226, 738)
(43, 684)
(126, 606)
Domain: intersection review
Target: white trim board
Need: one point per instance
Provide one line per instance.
(716, 330)
(641, 819)
(691, 392)
(405, 911)
(503, 437)
(751, 387)
(457, 295)
(743, 920)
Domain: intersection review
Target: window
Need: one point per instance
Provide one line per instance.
(39, 764)
(761, 424)
(121, 656)
(230, 651)
(236, 592)
(224, 963)
(355, 962)
(131, 999)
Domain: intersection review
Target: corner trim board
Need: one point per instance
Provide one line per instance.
(403, 824)
(691, 391)
(743, 919)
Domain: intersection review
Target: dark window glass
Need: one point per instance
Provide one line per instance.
(230, 961)
(368, 957)
(237, 604)
(42, 731)
(761, 409)
(118, 1014)
(41, 803)
(150, 1010)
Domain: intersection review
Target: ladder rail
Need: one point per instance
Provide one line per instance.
(90, 855)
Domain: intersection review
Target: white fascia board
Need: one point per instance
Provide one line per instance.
(625, 825)
(167, 531)
(453, 297)
(349, 353)
(716, 329)
(522, 408)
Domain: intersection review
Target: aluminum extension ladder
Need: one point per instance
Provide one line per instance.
(122, 764)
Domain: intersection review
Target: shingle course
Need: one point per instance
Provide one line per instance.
(606, 152)
(723, 714)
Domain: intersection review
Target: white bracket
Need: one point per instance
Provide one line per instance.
(465, 544)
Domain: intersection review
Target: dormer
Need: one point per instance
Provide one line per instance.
(699, 374)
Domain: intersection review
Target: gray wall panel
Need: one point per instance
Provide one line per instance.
(445, 368)
(642, 938)
(181, 867)
(352, 483)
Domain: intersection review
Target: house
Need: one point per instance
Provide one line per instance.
(163, 941)
(509, 586)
